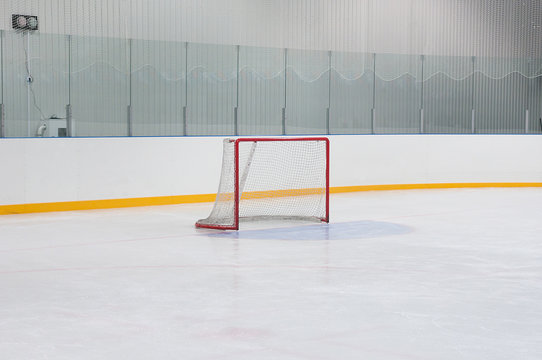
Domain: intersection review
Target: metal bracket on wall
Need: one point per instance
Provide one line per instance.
(129, 119)
(184, 120)
(372, 121)
(69, 125)
(422, 125)
(283, 121)
(235, 124)
(327, 121)
(473, 128)
(527, 121)
(2, 122)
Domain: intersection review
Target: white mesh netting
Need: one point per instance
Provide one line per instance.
(281, 179)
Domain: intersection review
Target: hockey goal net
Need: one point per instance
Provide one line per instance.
(265, 178)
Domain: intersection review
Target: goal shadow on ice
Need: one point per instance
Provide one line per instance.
(335, 231)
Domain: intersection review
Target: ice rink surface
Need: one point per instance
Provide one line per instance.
(429, 274)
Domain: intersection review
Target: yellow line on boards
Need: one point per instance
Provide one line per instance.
(105, 204)
(345, 189)
(187, 199)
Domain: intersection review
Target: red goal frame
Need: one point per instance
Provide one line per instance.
(236, 178)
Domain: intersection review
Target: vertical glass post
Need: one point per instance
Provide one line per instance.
(422, 60)
(374, 96)
(285, 88)
(329, 95)
(185, 87)
(473, 127)
(28, 83)
(129, 107)
(529, 95)
(69, 119)
(235, 111)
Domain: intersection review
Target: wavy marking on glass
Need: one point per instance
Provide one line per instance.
(506, 75)
(459, 78)
(249, 70)
(96, 64)
(293, 71)
(220, 76)
(162, 74)
(349, 78)
(407, 74)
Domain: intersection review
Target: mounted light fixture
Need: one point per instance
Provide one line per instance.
(24, 22)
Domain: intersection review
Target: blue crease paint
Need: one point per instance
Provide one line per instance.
(335, 231)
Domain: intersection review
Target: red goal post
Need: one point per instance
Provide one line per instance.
(271, 178)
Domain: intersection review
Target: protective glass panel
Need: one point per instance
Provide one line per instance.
(500, 95)
(352, 85)
(99, 86)
(212, 89)
(447, 94)
(158, 87)
(397, 93)
(261, 91)
(307, 91)
(36, 84)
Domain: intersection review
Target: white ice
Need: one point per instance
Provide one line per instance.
(430, 274)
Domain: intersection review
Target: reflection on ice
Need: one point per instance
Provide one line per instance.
(332, 231)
